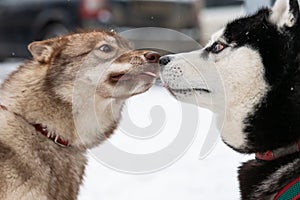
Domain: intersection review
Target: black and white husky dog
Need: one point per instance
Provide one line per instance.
(248, 74)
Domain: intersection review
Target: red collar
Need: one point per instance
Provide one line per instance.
(52, 136)
(2, 107)
(278, 153)
(43, 130)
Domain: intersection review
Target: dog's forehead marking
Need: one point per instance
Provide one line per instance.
(107, 40)
(110, 39)
(217, 36)
(116, 41)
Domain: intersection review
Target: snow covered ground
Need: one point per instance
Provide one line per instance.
(214, 177)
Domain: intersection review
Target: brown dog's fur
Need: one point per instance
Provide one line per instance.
(75, 87)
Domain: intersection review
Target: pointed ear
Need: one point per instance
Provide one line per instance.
(44, 51)
(41, 51)
(285, 13)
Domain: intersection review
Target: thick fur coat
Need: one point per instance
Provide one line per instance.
(70, 81)
(248, 75)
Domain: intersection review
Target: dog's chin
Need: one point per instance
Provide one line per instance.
(133, 91)
(195, 96)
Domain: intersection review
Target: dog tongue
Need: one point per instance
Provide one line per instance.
(150, 74)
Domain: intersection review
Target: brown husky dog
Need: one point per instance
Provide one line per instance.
(66, 99)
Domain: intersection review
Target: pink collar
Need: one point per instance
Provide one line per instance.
(44, 131)
(278, 153)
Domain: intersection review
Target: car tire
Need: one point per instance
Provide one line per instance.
(54, 30)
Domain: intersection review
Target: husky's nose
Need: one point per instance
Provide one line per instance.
(152, 57)
(164, 60)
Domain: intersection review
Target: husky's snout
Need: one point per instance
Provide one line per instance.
(143, 65)
(164, 60)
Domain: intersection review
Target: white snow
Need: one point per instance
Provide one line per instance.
(7, 67)
(214, 177)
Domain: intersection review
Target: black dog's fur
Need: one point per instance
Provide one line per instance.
(254, 174)
(276, 120)
(258, 57)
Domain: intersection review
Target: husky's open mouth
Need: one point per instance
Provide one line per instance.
(173, 91)
(120, 77)
(190, 90)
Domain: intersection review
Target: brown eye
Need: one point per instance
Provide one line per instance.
(105, 48)
(217, 47)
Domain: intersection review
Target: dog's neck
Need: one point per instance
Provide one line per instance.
(25, 93)
(278, 153)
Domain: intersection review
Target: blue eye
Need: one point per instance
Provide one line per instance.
(105, 48)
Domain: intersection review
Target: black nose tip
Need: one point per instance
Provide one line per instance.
(164, 60)
(152, 57)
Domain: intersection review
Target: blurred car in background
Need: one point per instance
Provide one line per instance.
(24, 21)
(253, 5)
(216, 13)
